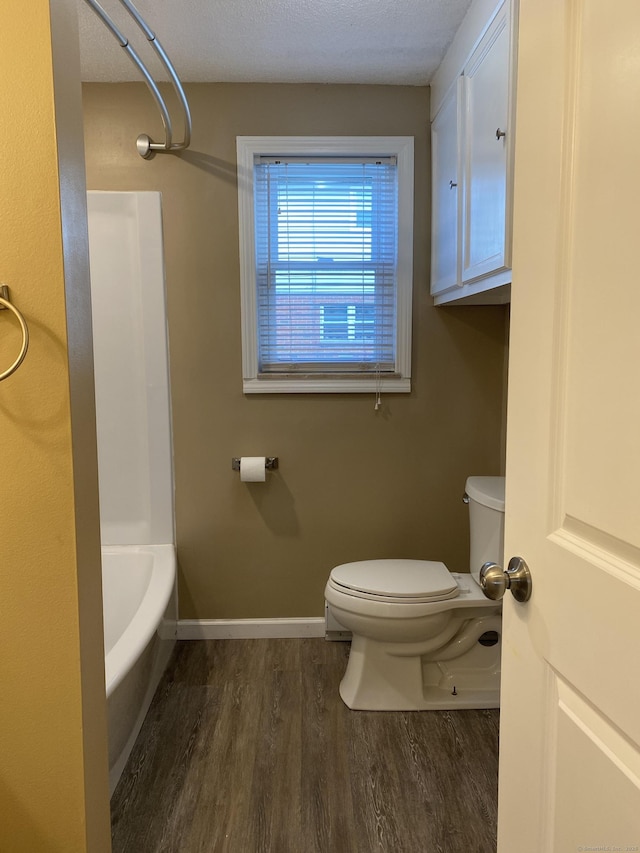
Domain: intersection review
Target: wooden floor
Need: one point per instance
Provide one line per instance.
(248, 748)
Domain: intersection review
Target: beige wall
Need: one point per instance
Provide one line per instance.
(352, 483)
(53, 753)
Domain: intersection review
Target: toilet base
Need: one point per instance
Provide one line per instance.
(383, 677)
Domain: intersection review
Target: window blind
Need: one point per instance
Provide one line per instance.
(326, 236)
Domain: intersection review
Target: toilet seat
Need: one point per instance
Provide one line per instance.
(395, 581)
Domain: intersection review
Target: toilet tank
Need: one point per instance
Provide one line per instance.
(486, 522)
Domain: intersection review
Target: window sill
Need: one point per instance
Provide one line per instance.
(326, 386)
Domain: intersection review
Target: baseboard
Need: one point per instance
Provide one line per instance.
(248, 629)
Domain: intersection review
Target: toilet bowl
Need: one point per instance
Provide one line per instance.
(424, 638)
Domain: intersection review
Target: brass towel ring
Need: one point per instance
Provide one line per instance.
(4, 303)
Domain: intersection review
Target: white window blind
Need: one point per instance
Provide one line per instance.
(326, 263)
(326, 253)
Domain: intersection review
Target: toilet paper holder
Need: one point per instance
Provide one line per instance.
(270, 463)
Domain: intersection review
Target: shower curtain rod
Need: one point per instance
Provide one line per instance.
(145, 145)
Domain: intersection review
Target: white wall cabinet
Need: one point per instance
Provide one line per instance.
(446, 138)
(472, 150)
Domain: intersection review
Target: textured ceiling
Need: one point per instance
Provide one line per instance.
(277, 41)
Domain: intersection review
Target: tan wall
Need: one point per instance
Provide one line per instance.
(53, 753)
(352, 483)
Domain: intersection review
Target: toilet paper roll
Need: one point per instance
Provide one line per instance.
(253, 469)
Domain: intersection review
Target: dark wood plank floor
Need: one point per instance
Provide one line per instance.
(248, 748)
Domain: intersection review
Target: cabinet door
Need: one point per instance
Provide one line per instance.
(446, 189)
(486, 102)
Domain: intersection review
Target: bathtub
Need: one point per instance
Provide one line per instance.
(139, 609)
(135, 470)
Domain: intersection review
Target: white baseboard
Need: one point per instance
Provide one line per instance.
(248, 629)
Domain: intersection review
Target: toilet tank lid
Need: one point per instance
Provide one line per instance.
(488, 491)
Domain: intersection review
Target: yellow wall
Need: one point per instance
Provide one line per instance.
(53, 769)
(352, 483)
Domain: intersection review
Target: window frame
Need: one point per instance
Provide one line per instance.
(401, 147)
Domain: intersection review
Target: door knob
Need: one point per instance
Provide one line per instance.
(500, 134)
(494, 581)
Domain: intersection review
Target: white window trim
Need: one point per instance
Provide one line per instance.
(398, 146)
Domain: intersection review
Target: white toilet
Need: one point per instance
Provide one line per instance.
(424, 638)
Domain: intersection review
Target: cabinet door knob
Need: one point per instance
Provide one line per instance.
(500, 134)
(452, 184)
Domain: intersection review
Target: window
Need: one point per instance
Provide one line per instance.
(326, 246)
(348, 324)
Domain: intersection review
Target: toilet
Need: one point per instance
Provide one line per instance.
(424, 638)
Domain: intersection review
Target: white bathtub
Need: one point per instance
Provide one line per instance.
(135, 471)
(139, 607)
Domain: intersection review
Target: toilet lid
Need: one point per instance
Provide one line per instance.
(409, 580)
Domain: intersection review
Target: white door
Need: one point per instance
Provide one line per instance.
(570, 757)
(446, 189)
(486, 124)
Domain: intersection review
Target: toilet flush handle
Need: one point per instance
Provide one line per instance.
(494, 581)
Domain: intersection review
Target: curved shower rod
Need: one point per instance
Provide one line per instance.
(145, 145)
